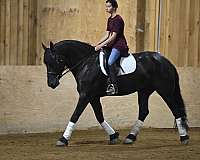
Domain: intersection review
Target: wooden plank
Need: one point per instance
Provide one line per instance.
(173, 31)
(147, 26)
(199, 40)
(167, 28)
(156, 27)
(140, 23)
(25, 32)
(164, 28)
(150, 22)
(20, 32)
(1, 35)
(2, 31)
(33, 31)
(36, 27)
(30, 32)
(193, 33)
(38, 34)
(182, 38)
(13, 31)
(7, 32)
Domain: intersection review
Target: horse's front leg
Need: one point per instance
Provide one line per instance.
(96, 105)
(82, 103)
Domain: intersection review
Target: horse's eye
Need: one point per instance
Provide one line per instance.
(60, 60)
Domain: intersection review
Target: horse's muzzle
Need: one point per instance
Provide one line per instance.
(53, 82)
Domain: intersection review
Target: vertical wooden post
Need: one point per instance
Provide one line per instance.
(30, 32)
(38, 34)
(2, 31)
(151, 16)
(174, 30)
(199, 39)
(7, 31)
(140, 30)
(13, 31)
(34, 35)
(20, 33)
(1, 35)
(193, 33)
(25, 30)
(165, 28)
(183, 33)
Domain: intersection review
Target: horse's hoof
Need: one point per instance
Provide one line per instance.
(114, 138)
(62, 142)
(130, 139)
(184, 139)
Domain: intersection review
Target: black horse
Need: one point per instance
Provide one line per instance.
(153, 73)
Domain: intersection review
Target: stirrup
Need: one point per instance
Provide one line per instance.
(111, 89)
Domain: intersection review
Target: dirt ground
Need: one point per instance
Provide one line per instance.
(93, 144)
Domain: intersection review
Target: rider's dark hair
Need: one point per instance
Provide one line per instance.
(113, 3)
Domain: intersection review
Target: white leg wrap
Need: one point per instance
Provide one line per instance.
(182, 131)
(68, 131)
(136, 128)
(107, 128)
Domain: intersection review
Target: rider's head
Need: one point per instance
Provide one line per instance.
(111, 6)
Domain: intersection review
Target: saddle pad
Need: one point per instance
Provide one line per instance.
(128, 64)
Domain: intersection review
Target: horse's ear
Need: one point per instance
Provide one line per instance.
(44, 47)
(51, 45)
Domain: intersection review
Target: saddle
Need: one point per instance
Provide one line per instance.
(123, 66)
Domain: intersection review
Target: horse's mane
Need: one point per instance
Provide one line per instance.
(77, 44)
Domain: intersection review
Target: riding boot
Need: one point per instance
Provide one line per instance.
(112, 81)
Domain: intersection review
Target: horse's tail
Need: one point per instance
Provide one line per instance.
(180, 102)
(167, 69)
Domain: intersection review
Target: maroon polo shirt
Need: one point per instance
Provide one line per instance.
(116, 24)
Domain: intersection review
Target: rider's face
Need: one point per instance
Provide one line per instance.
(109, 8)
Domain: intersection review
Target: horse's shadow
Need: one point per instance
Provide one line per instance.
(91, 142)
(120, 143)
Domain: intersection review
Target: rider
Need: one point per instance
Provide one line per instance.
(114, 39)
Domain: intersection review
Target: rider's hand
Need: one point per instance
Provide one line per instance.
(98, 47)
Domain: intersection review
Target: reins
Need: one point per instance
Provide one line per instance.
(73, 67)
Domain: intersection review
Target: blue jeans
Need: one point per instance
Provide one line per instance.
(115, 54)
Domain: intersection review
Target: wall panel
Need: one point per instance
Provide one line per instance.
(2, 32)
(25, 24)
(180, 31)
(34, 107)
(28, 23)
(18, 32)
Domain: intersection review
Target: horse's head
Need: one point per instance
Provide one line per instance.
(55, 64)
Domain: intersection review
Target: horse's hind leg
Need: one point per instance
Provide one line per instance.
(143, 97)
(97, 108)
(177, 107)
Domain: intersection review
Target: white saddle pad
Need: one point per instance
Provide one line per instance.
(128, 64)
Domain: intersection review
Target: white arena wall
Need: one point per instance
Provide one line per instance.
(27, 105)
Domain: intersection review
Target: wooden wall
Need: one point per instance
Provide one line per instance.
(18, 27)
(180, 30)
(180, 40)
(84, 20)
(27, 23)
(24, 24)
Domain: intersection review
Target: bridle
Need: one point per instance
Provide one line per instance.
(67, 70)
